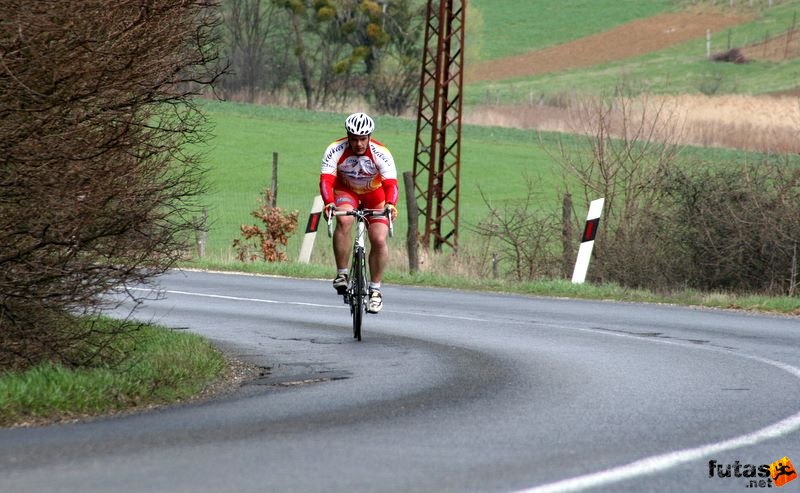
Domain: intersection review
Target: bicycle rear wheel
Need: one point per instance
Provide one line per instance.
(359, 291)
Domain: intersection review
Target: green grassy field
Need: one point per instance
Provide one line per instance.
(496, 161)
(239, 159)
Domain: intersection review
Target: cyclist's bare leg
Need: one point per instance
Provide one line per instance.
(342, 240)
(378, 251)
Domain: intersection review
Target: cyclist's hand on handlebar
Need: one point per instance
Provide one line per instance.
(329, 210)
(391, 209)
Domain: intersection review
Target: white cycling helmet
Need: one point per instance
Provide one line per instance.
(359, 124)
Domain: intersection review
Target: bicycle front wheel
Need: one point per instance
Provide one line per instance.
(359, 291)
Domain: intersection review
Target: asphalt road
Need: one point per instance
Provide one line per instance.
(448, 391)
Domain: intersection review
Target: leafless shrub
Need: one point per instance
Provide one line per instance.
(523, 236)
(710, 83)
(96, 182)
(620, 151)
(669, 223)
(737, 224)
(393, 83)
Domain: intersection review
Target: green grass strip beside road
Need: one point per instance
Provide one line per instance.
(159, 366)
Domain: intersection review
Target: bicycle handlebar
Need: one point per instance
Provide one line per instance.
(361, 214)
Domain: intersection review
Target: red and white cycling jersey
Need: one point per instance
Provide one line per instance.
(341, 167)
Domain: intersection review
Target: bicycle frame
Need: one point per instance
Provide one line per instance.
(356, 294)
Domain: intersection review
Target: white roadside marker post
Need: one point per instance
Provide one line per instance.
(587, 241)
(311, 231)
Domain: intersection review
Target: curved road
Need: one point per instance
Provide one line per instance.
(449, 391)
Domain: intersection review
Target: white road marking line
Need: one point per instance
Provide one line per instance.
(239, 298)
(318, 305)
(643, 467)
(659, 463)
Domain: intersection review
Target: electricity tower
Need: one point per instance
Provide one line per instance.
(437, 152)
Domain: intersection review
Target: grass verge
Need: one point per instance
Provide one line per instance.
(558, 288)
(156, 366)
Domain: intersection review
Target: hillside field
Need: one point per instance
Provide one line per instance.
(557, 52)
(662, 49)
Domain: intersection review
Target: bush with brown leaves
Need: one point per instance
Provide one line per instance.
(266, 243)
(96, 181)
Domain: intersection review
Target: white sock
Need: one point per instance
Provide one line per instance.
(375, 286)
(341, 271)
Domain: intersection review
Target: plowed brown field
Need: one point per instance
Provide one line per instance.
(631, 39)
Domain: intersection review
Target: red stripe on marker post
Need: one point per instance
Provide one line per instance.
(313, 222)
(590, 230)
(311, 231)
(587, 242)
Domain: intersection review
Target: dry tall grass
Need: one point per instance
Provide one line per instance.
(758, 123)
(472, 260)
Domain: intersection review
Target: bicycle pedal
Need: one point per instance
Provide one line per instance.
(346, 298)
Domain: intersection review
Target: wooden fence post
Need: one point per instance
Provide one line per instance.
(567, 235)
(793, 275)
(413, 216)
(200, 231)
(274, 186)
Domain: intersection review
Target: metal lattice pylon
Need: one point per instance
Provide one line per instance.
(437, 152)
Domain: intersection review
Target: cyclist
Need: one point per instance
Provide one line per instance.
(358, 169)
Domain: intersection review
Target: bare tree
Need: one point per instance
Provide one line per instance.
(394, 65)
(620, 150)
(394, 77)
(308, 26)
(361, 47)
(255, 37)
(97, 177)
(393, 84)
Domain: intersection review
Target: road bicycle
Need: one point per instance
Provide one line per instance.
(357, 292)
